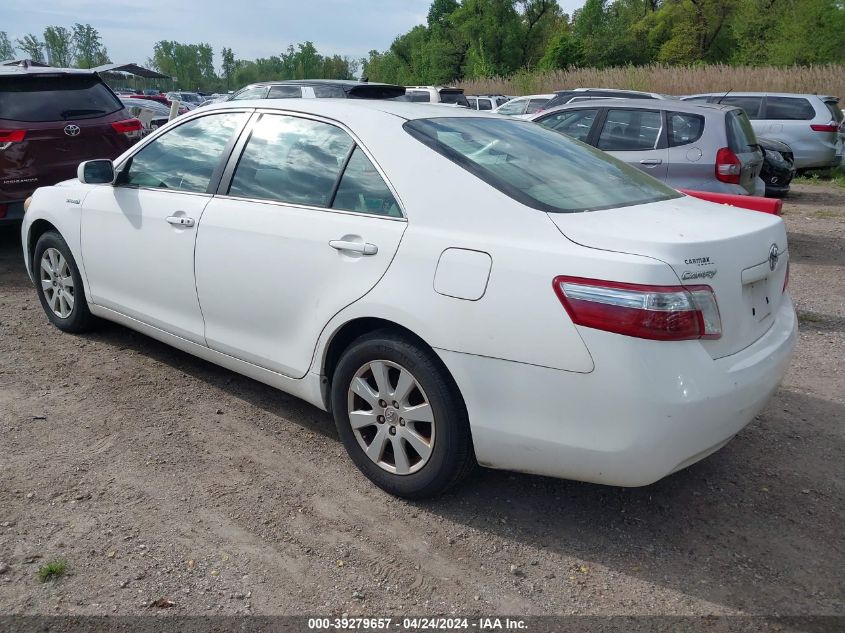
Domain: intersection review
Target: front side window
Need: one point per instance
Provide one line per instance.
(684, 128)
(629, 130)
(362, 189)
(789, 109)
(537, 167)
(284, 92)
(473, 103)
(574, 123)
(513, 107)
(183, 159)
(751, 105)
(293, 160)
(453, 96)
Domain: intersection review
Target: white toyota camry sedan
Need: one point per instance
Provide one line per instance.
(454, 287)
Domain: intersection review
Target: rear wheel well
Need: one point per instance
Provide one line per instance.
(356, 328)
(38, 228)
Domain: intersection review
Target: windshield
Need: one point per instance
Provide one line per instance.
(538, 167)
(55, 98)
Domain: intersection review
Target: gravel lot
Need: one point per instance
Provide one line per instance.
(155, 474)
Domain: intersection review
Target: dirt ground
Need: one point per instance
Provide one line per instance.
(155, 474)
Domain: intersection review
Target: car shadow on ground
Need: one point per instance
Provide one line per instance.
(711, 531)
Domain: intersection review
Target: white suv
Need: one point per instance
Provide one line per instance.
(436, 94)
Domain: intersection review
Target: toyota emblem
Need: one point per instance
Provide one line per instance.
(72, 130)
(774, 254)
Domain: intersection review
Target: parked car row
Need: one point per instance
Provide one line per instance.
(564, 314)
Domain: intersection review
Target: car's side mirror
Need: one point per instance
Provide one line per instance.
(96, 172)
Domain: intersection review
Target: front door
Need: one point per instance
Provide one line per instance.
(636, 137)
(306, 226)
(138, 235)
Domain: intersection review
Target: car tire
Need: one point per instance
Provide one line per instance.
(437, 454)
(59, 284)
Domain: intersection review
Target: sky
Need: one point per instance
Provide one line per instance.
(252, 28)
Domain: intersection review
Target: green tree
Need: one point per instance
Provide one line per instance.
(32, 47)
(7, 51)
(228, 65)
(59, 44)
(90, 52)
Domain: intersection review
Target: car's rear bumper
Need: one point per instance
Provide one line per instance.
(643, 413)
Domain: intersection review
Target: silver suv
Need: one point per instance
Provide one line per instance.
(686, 145)
(812, 125)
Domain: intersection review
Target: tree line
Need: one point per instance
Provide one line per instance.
(79, 46)
(483, 38)
(471, 39)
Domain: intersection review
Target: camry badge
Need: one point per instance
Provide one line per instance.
(72, 130)
(774, 254)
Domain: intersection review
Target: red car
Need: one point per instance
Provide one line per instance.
(158, 99)
(52, 119)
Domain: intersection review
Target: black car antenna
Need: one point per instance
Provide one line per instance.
(725, 95)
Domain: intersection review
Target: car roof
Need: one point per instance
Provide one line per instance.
(742, 93)
(619, 90)
(346, 110)
(348, 83)
(653, 104)
(18, 70)
(540, 96)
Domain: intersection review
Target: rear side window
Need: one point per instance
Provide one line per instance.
(184, 158)
(418, 96)
(329, 92)
(628, 130)
(286, 92)
(741, 138)
(535, 105)
(574, 123)
(517, 106)
(251, 93)
(485, 104)
(751, 105)
(453, 96)
(789, 109)
(362, 189)
(57, 98)
(684, 128)
(538, 167)
(293, 160)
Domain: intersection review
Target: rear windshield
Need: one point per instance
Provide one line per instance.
(741, 138)
(453, 96)
(538, 167)
(57, 98)
(833, 106)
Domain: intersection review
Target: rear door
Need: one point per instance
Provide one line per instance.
(636, 136)
(51, 123)
(304, 224)
(687, 166)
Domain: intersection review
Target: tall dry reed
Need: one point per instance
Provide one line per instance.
(674, 80)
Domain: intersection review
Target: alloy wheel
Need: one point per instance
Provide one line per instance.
(391, 417)
(57, 283)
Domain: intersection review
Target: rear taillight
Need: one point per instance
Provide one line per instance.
(728, 166)
(3, 210)
(661, 313)
(830, 127)
(127, 126)
(12, 136)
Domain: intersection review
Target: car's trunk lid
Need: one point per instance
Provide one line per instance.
(742, 255)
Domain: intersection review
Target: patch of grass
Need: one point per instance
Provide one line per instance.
(833, 175)
(828, 214)
(53, 569)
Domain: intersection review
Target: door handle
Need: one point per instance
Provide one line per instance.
(181, 220)
(651, 161)
(355, 247)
